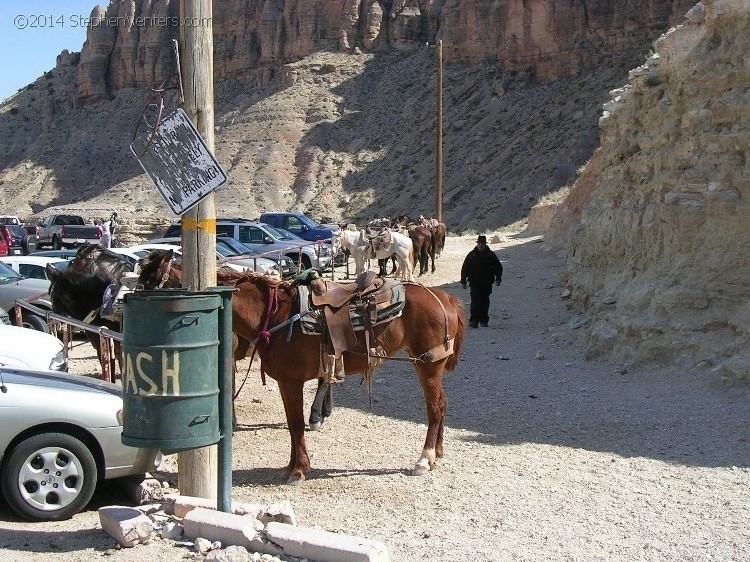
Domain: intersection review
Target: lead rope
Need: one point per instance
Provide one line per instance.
(264, 336)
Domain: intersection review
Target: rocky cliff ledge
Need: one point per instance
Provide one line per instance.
(129, 43)
(660, 260)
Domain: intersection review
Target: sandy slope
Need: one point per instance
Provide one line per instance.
(547, 457)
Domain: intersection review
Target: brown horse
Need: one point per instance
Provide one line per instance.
(429, 317)
(439, 238)
(424, 248)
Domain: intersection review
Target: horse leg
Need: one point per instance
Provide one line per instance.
(395, 265)
(299, 461)
(431, 380)
(439, 443)
(382, 266)
(328, 402)
(317, 416)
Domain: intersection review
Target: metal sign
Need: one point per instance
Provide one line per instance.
(178, 162)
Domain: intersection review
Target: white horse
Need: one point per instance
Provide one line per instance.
(349, 240)
(359, 247)
(400, 246)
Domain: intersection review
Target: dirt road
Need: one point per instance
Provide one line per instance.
(547, 457)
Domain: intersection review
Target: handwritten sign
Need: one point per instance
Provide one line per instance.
(141, 376)
(178, 161)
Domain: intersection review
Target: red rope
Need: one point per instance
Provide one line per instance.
(264, 336)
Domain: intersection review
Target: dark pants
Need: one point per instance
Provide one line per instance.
(480, 302)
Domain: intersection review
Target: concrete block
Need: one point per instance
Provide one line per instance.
(126, 525)
(324, 545)
(182, 505)
(229, 529)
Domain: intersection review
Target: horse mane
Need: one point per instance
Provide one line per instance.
(71, 279)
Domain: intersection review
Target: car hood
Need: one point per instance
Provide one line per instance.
(22, 347)
(58, 380)
(28, 287)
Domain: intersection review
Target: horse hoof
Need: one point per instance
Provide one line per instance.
(316, 426)
(421, 468)
(295, 480)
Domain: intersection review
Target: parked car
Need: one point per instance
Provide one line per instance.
(14, 286)
(33, 266)
(261, 265)
(266, 239)
(234, 252)
(60, 434)
(9, 219)
(301, 225)
(66, 231)
(29, 349)
(285, 263)
(17, 239)
(64, 253)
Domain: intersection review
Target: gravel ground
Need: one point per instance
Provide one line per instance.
(547, 457)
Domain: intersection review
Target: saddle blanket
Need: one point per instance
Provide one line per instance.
(312, 324)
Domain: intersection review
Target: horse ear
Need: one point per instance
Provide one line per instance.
(52, 272)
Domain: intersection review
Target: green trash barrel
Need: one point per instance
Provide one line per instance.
(170, 369)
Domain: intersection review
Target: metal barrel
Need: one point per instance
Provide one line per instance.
(170, 358)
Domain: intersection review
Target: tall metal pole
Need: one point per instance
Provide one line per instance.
(439, 139)
(197, 469)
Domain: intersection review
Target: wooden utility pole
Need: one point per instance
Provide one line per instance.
(439, 139)
(198, 468)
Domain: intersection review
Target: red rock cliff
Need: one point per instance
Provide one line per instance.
(129, 43)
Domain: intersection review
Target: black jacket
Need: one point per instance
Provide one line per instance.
(481, 268)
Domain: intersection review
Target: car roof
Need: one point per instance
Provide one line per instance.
(34, 260)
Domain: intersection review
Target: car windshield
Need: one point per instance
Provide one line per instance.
(275, 233)
(7, 275)
(234, 244)
(17, 230)
(225, 251)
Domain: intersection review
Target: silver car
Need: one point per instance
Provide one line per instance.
(14, 286)
(59, 434)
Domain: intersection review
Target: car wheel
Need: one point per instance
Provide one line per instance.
(35, 323)
(56, 244)
(48, 477)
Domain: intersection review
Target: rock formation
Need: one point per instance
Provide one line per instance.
(130, 43)
(659, 251)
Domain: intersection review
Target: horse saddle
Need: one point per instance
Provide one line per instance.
(379, 240)
(343, 309)
(114, 296)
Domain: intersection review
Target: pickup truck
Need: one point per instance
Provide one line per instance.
(66, 231)
(301, 225)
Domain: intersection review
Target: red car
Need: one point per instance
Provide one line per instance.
(5, 242)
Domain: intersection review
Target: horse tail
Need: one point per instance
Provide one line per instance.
(458, 341)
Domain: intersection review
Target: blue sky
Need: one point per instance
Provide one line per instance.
(32, 34)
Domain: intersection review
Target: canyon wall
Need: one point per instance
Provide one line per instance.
(659, 247)
(129, 42)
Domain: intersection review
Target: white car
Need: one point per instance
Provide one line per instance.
(23, 348)
(33, 266)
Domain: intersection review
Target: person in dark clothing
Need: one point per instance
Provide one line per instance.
(481, 268)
